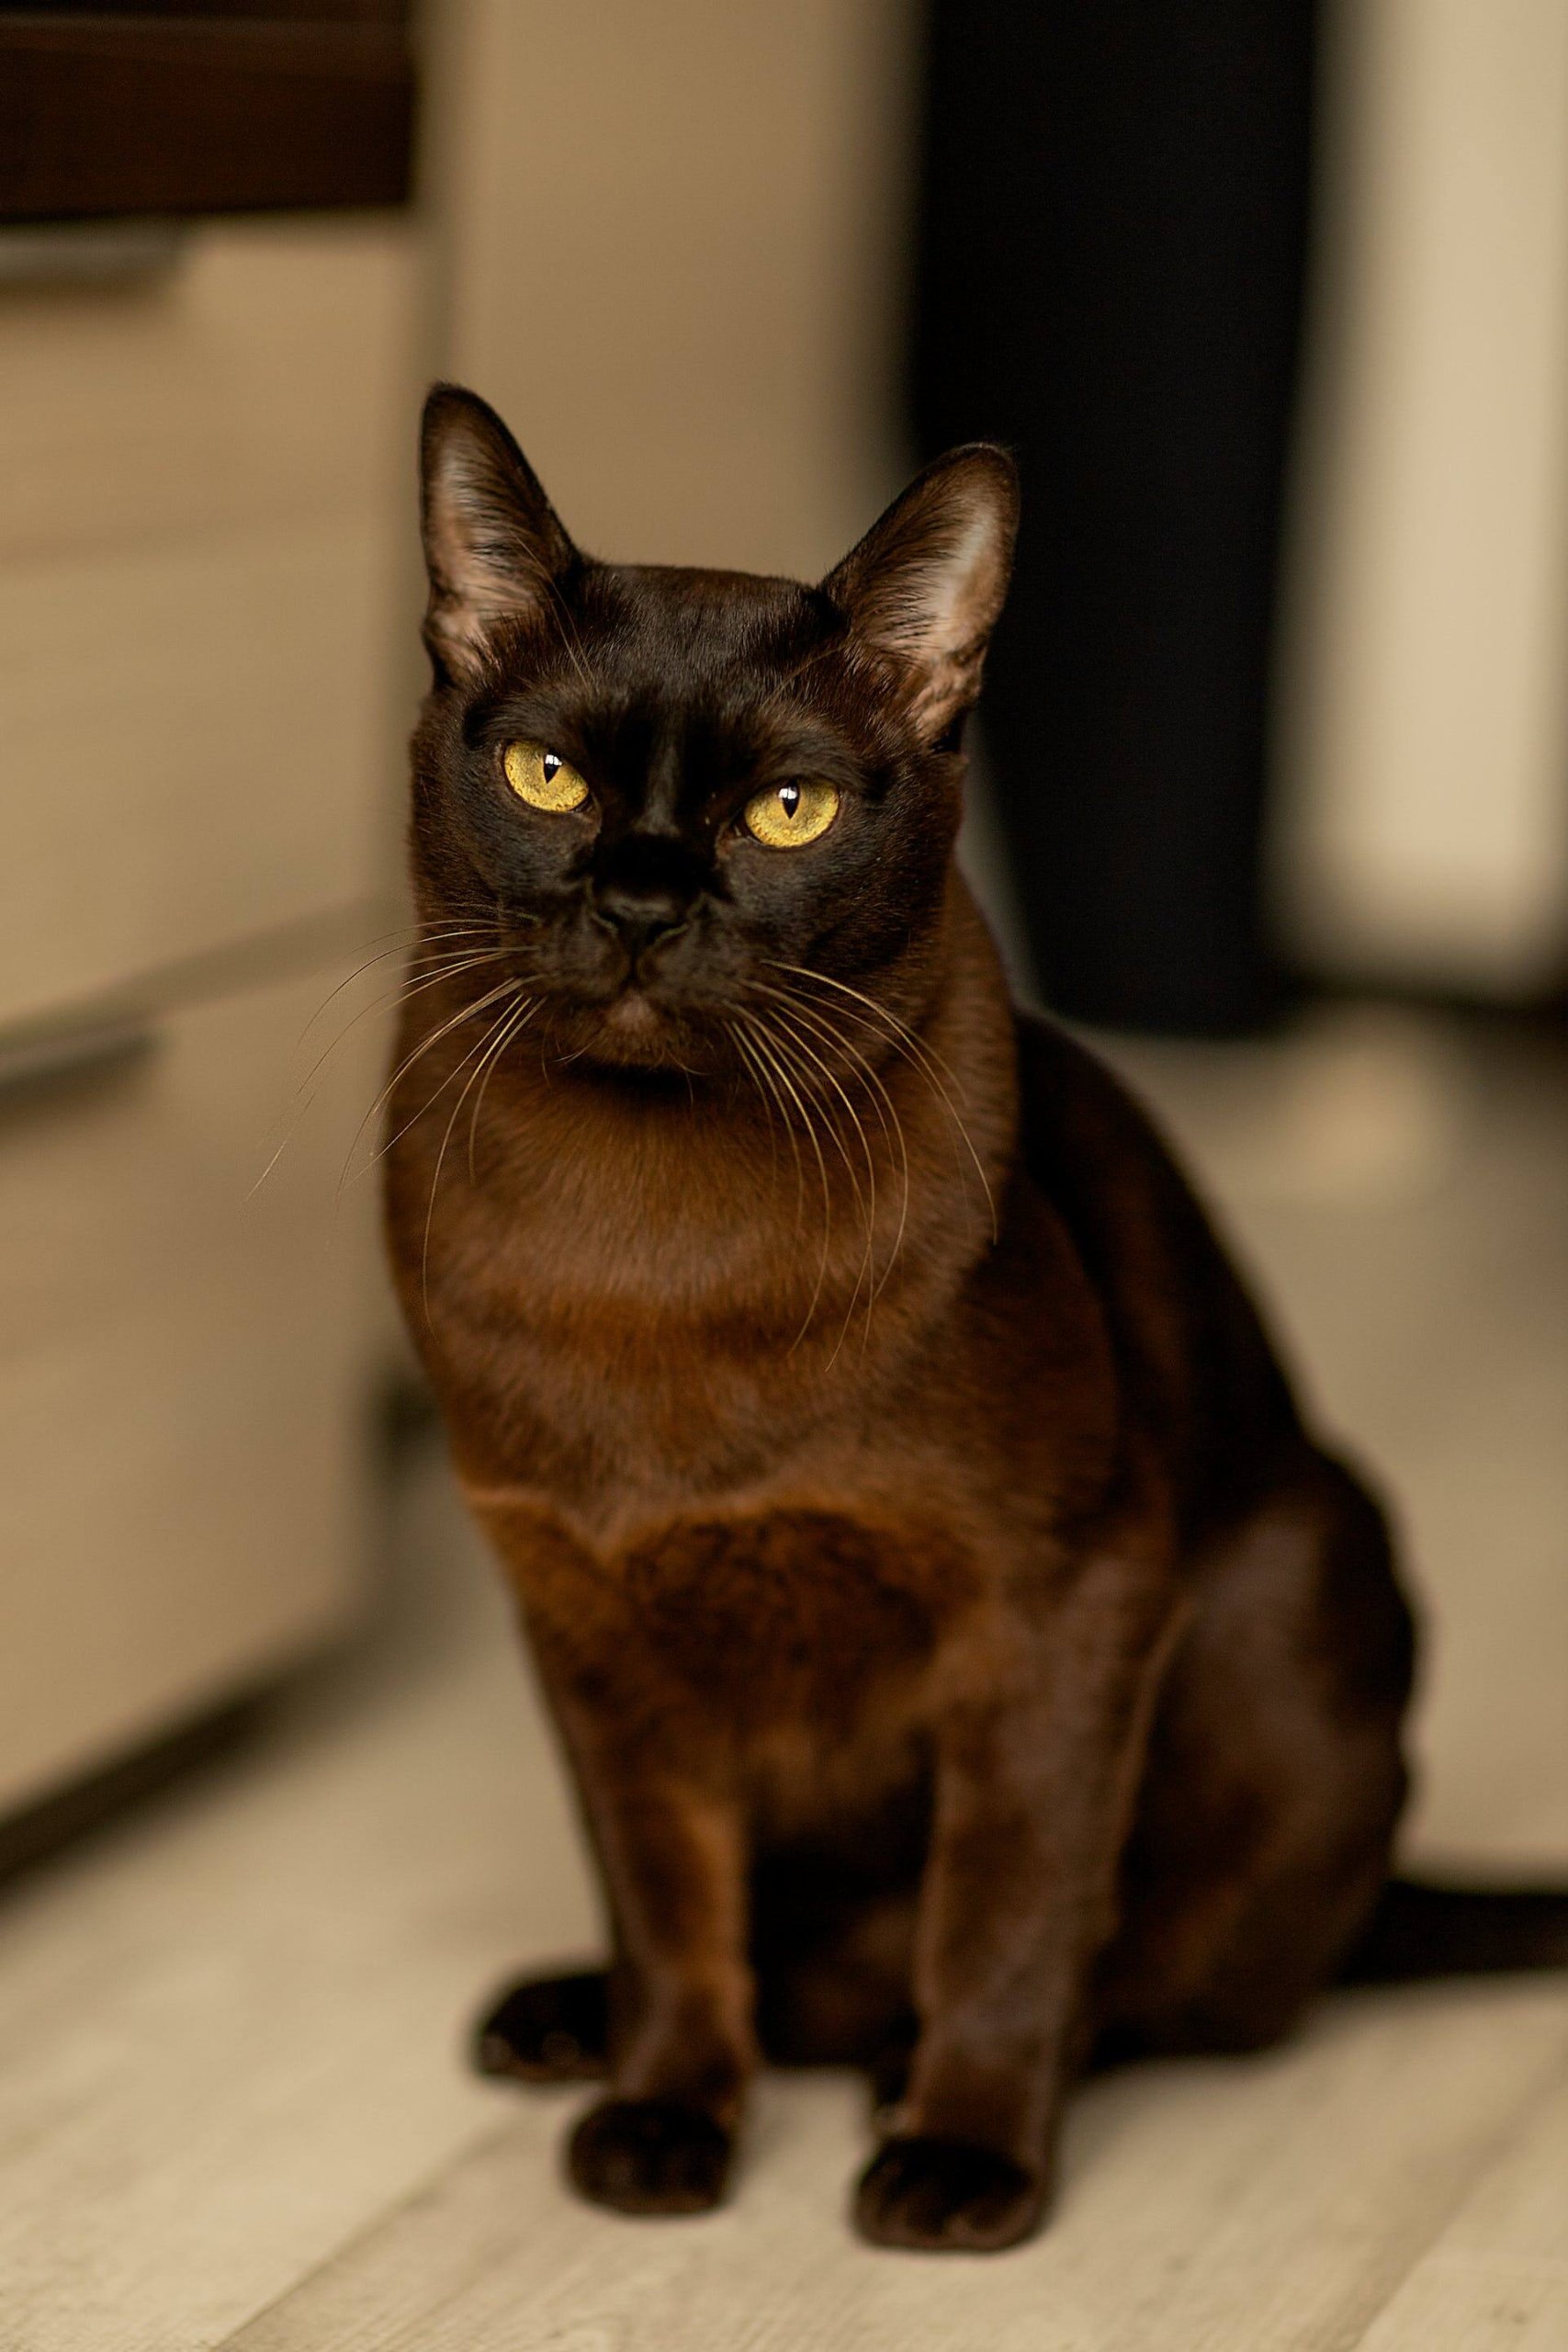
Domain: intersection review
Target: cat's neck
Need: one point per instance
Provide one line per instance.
(856, 1122)
(678, 1255)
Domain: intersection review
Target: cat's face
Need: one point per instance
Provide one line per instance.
(674, 791)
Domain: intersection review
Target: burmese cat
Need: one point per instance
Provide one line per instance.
(966, 1657)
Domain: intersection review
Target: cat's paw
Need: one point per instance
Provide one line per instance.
(946, 2196)
(650, 2155)
(547, 2030)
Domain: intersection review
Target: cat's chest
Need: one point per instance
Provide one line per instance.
(648, 1383)
(593, 1327)
(755, 1619)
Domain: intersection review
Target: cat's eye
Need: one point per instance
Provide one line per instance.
(543, 778)
(788, 815)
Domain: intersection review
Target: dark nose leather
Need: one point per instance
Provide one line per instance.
(645, 887)
(640, 912)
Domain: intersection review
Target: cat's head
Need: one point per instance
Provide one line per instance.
(672, 790)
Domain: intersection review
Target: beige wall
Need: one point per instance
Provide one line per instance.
(1426, 828)
(669, 247)
(671, 234)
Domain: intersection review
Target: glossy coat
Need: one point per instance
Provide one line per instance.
(966, 1657)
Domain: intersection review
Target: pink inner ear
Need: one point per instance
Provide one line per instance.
(927, 585)
(494, 544)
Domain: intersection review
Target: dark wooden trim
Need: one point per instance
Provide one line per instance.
(264, 11)
(122, 115)
(96, 1802)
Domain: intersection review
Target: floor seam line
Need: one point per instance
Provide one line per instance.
(1520, 2119)
(364, 2231)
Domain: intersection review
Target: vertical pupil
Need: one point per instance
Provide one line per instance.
(789, 799)
(552, 760)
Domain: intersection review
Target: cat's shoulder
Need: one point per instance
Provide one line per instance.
(1078, 1116)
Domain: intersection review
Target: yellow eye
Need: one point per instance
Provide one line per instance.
(543, 779)
(788, 815)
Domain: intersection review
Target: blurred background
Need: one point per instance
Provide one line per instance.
(1270, 793)
(1271, 783)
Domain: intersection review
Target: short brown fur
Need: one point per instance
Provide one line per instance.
(967, 1659)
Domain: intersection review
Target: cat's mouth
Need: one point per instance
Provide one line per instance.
(667, 1009)
(636, 1029)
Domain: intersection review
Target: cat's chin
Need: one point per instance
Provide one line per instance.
(633, 1034)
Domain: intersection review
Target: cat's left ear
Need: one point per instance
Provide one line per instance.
(926, 584)
(494, 547)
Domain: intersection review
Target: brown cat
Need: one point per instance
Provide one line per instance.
(967, 1659)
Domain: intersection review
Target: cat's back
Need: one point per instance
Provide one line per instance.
(1194, 1359)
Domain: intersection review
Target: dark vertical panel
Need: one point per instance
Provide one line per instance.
(1110, 257)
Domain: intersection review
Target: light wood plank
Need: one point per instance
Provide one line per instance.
(228, 2038)
(1268, 2208)
(1496, 2279)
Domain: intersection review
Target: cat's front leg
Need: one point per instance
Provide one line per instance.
(683, 2042)
(1037, 1755)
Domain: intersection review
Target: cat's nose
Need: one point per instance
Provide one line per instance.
(640, 912)
(645, 888)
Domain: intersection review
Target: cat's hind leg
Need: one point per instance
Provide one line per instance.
(845, 2000)
(833, 1962)
(1272, 1784)
(547, 2030)
(842, 2000)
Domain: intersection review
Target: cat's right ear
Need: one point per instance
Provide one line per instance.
(924, 588)
(494, 547)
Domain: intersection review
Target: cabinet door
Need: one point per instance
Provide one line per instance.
(195, 746)
(206, 476)
(259, 372)
(185, 1369)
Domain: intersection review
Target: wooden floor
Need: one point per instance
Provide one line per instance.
(232, 2110)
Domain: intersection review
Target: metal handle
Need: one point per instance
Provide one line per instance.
(88, 253)
(93, 1049)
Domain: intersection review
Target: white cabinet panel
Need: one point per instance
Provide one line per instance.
(183, 1382)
